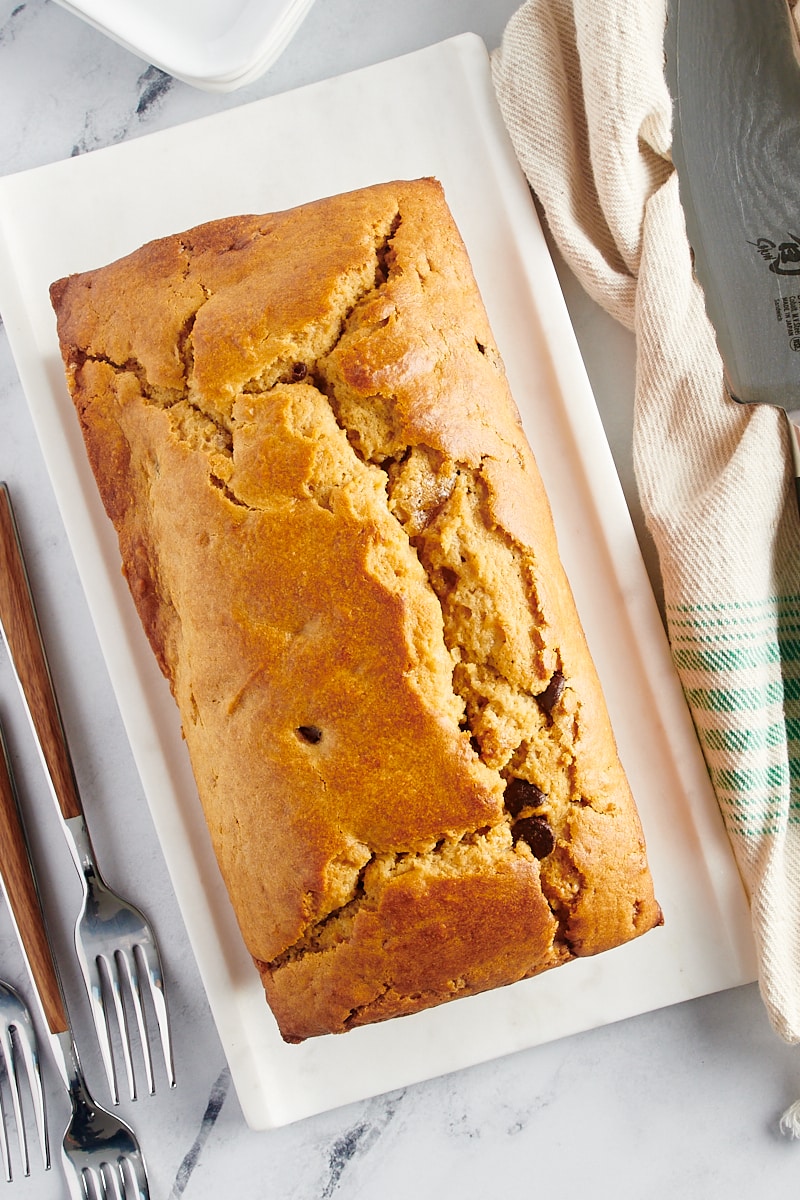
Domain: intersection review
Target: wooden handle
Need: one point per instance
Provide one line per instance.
(21, 631)
(23, 899)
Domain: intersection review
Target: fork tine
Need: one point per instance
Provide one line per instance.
(94, 988)
(9, 1056)
(149, 961)
(127, 964)
(113, 1181)
(133, 1172)
(26, 1049)
(91, 1184)
(5, 1151)
(110, 987)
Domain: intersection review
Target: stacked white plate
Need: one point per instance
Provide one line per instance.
(218, 45)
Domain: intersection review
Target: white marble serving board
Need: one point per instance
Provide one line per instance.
(429, 113)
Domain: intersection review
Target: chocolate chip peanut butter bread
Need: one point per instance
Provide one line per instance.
(342, 554)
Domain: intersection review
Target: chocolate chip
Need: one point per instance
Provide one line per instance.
(537, 833)
(310, 733)
(551, 695)
(299, 371)
(520, 794)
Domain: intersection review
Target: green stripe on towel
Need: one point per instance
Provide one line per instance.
(740, 669)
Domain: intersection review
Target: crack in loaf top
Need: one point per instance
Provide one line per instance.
(204, 320)
(234, 305)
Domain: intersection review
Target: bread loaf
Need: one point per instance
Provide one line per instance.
(340, 548)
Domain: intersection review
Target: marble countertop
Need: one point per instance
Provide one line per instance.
(682, 1101)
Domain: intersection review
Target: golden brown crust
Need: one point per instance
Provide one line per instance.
(340, 548)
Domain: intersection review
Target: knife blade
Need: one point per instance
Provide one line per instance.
(733, 74)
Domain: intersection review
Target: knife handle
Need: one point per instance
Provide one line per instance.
(23, 899)
(20, 628)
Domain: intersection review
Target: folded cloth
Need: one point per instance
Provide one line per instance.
(582, 90)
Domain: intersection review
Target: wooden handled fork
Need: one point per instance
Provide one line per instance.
(100, 1154)
(114, 941)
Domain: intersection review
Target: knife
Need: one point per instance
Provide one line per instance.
(732, 70)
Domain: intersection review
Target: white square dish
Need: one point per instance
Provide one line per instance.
(218, 45)
(429, 113)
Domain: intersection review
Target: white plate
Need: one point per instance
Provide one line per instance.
(430, 113)
(217, 45)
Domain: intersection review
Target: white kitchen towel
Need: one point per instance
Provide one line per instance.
(582, 90)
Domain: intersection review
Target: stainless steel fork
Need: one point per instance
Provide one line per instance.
(116, 946)
(100, 1154)
(19, 1050)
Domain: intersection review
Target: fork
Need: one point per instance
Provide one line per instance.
(19, 1048)
(115, 944)
(100, 1154)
